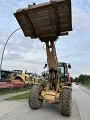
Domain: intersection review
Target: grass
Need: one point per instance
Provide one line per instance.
(88, 87)
(3, 92)
(19, 97)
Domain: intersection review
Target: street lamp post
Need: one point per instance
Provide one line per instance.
(5, 47)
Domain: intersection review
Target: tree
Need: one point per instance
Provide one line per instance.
(84, 79)
(72, 80)
(45, 74)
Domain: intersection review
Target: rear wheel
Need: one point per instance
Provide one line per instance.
(34, 101)
(66, 101)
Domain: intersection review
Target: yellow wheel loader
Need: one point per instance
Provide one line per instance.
(58, 87)
(18, 75)
(48, 21)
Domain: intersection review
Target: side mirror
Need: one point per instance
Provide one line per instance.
(45, 65)
(69, 66)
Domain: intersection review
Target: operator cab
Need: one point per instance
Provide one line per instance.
(63, 71)
(16, 72)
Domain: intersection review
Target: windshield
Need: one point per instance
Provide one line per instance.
(61, 71)
(17, 71)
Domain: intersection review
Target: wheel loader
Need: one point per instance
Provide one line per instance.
(48, 21)
(18, 75)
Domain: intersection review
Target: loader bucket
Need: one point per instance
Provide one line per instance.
(47, 20)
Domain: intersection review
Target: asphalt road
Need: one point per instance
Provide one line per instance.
(19, 110)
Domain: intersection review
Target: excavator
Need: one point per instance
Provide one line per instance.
(48, 21)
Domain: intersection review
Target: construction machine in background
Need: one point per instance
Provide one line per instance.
(47, 21)
(34, 79)
(18, 75)
(27, 77)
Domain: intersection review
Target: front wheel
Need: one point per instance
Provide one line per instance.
(66, 101)
(34, 101)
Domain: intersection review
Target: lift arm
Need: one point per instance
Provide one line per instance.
(52, 59)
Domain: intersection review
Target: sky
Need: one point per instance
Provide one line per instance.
(27, 54)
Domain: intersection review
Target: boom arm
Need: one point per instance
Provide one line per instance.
(52, 60)
(51, 56)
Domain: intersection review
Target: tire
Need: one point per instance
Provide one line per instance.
(66, 101)
(34, 101)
